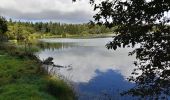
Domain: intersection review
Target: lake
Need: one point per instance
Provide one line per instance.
(96, 73)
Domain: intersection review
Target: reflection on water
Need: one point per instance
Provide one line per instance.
(104, 86)
(97, 73)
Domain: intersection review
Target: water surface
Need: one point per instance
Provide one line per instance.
(97, 73)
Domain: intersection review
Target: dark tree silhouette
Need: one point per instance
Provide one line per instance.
(143, 23)
(3, 28)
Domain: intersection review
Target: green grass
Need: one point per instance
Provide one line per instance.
(22, 79)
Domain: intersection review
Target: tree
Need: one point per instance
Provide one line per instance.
(3, 28)
(141, 22)
(17, 30)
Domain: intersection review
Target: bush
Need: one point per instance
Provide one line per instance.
(60, 89)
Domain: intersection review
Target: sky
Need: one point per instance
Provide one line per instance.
(64, 11)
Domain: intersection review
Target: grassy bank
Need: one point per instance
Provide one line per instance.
(22, 78)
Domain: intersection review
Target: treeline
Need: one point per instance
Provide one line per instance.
(29, 30)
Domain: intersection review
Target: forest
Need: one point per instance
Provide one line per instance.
(28, 30)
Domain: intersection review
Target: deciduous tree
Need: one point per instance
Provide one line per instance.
(3, 28)
(144, 23)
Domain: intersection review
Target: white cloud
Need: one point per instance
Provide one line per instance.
(56, 10)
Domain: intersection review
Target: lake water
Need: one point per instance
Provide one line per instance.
(96, 73)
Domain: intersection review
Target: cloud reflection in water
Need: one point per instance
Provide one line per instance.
(85, 60)
(95, 68)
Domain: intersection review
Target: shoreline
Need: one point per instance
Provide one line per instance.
(53, 88)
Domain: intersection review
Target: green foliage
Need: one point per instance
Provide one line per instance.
(141, 22)
(22, 78)
(28, 30)
(57, 88)
(3, 25)
(23, 92)
(3, 28)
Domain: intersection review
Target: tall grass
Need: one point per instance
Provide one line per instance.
(22, 77)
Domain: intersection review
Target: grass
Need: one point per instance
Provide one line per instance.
(22, 79)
